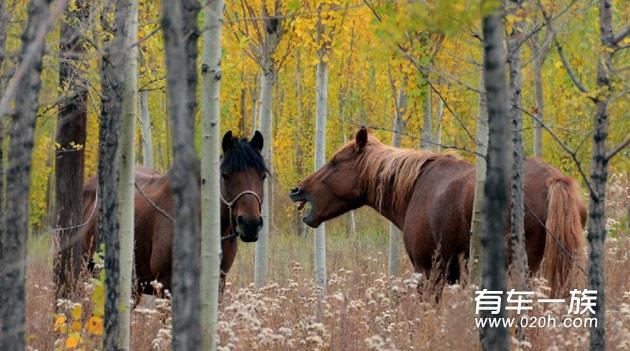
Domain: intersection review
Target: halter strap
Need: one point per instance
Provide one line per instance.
(230, 206)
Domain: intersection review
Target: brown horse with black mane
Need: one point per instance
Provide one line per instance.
(243, 171)
(429, 196)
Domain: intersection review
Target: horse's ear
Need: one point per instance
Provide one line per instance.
(257, 141)
(361, 139)
(228, 142)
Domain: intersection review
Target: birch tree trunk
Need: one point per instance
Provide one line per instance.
(394, 231)
(427, 125)
(540, 103)
(210, 178)
(496, 185)
(268, 79)
(145, 125)
(475, 255)
(599, 177)
(21, 133)
(70, 152)
(113, 67)
(127, 179)
(440, 118)
(4, 20)
(300, 227)
(320, 160)
(184, 176)
(517, 208)
(266, 92)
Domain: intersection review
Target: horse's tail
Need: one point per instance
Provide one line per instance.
(564, 243)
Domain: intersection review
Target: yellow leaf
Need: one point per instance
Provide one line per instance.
(60, 324)
(76, 311)
(73, 340)
(76, 326)
(95, 326)
(98, 299)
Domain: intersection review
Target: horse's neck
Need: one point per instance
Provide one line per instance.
(386, 210)
(387, 193)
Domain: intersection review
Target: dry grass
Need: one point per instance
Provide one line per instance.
(361, 310)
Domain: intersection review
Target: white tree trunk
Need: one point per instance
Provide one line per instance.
(394, 232)
(320, 159)
(127, 162)
(210, 178)
(145, 124)
(474, 261)
(440, 117)
(517, 208)
(427, 126)
(266, 94)
(540, 104)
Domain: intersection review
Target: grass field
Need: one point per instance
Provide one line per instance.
(362, 309)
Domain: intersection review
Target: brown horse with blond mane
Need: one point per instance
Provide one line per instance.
(429, 196)
(243, 171)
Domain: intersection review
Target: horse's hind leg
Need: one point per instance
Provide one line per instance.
(453, 270)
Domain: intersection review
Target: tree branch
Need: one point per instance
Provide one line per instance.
(571, 153)
(617, 148)
(560, 50)
(623, 33)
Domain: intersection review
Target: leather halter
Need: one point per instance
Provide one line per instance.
(230, 206)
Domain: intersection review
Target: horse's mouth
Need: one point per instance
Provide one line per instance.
(301, 200)
(307, 217)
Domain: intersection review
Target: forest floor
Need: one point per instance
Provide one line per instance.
(362, 309)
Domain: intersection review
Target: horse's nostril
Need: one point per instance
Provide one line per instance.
(239, 219)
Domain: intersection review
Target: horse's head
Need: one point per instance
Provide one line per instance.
(336, 187)
(243, 173)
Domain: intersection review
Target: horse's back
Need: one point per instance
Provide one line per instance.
(143, 176)
(440, 209)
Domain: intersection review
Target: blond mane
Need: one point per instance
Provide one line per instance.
(392, 172)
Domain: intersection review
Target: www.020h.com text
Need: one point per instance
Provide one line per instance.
(537, 322)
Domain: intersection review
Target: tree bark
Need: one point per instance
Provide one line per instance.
(112, 92)
(4, 20)
(268, 79)
(127, 179)
(394, 232)
(440, 118)
(210, 178)
(300, 227)
(496, 185)
(599, 177)
(517, 207)
(427, 125)
(70, 151)
(21, 133)
(180, 55)
(320, 160)
(539, 60)
(145, 125)
(475, 256)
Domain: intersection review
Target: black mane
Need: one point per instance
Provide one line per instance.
(241, 157)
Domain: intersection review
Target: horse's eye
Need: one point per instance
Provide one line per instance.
(264, 176)
(224, 176)
(333, 162)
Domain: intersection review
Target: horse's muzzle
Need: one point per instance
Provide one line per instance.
(297, 195)
(248, 228)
